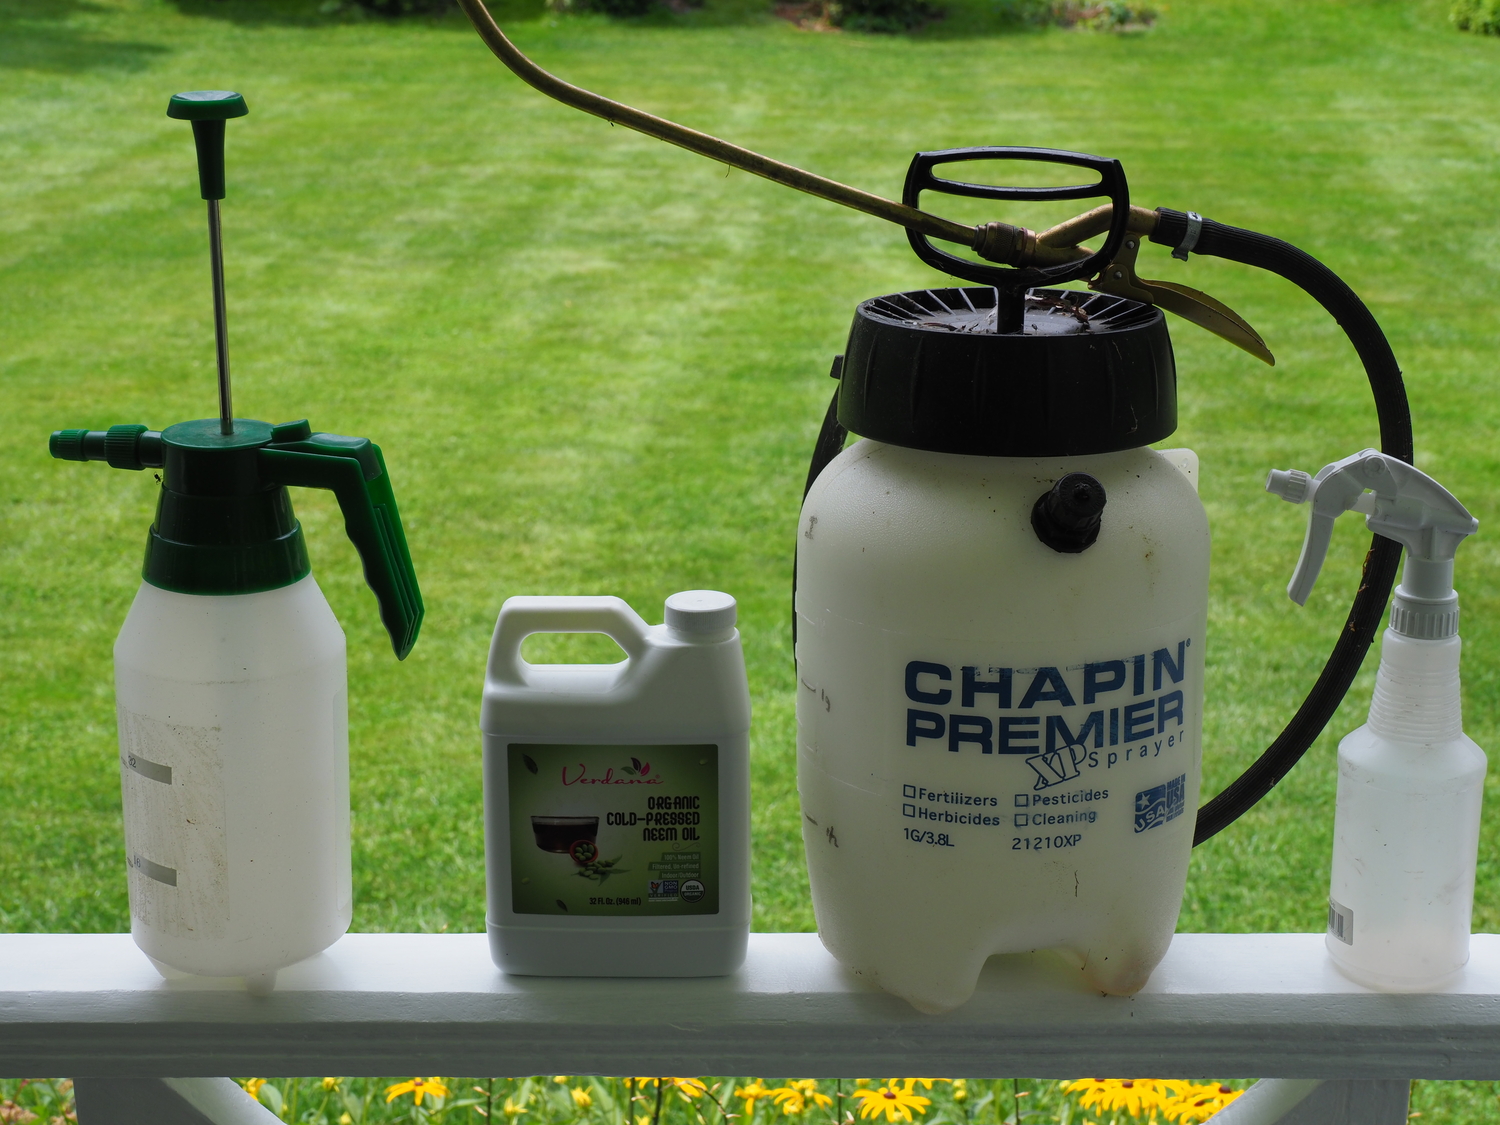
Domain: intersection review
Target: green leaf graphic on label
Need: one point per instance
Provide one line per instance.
(529, 763)
(601, 869)
(561, 904)
(636, 762)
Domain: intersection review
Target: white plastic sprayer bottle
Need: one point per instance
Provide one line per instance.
(229, 670)
(231, 694)
(1001, 604)
(1406, 829)
(617, 796)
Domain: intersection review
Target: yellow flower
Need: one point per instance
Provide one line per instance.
(1139, 1097)
(960, 1089)
(689, 1088)
(896, 1103)
(581, 1097)
(513, 1110)
(345, 1119)
(793, 1099)
(331, 1083)
(646, 1120)
(561, 1079)
(417, 1088)
(752, 1094)
(252, 1087)
(1191, 1103)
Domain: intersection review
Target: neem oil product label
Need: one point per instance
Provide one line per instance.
(614, 830)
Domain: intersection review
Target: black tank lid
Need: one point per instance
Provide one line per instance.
(1090, 373)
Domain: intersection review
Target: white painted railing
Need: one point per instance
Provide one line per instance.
(1220, 1004)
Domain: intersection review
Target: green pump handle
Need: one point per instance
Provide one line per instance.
(353, 469)
(249, 466)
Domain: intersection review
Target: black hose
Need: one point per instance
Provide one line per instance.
(1379, 575)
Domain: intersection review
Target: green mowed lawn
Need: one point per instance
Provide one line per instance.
(596, 363)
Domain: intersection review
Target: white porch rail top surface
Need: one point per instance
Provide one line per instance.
(1219, 1005)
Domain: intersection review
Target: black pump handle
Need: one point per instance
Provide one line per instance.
(1111, 185)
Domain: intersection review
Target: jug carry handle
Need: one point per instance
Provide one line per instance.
(520, 617)
(354, 471)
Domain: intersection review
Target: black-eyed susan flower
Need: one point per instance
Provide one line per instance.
(795, 1097)
(418, 1088)
(752, 1094)
(1139, 1097)
(1190, 1103)
(893, 1099)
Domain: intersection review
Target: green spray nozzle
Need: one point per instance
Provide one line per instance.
(224, 522)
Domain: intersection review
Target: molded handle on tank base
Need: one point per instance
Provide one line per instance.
(522, 616)
(1112, 184)
(354, 470)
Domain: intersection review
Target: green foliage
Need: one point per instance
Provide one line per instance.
(1097, 15)
(406, 7)
(1479, 16)
(881, 15)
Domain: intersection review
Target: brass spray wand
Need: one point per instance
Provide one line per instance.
(996, 242)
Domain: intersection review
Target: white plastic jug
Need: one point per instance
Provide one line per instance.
(999, 719)
(617, 796)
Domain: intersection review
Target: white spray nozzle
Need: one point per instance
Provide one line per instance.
(1399, 502)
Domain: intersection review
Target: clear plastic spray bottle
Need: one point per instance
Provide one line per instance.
(1406, 829)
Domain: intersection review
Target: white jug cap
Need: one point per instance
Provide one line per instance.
(700, 611)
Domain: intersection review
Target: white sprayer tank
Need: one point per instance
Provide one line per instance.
(234, 768)
(998, 738)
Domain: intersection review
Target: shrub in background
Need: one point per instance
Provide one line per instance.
(1098, 15)
(406, 7)
(881, 15)
(1479, 16)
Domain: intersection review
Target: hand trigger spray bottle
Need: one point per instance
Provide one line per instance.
(230, 670)
(1411, 782)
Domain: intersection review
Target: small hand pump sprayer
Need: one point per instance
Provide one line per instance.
(1001, 591)
(230, 668)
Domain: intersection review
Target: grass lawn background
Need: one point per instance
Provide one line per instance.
(596, 363)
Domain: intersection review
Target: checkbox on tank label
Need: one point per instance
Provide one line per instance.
(908, 810)
(1022, 800)
(1021, 820)
(908, 791)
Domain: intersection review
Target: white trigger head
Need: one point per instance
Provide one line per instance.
(1399, 502)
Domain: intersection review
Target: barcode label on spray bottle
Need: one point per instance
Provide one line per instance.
(1341, 922)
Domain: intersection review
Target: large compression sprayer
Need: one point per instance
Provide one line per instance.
(1013, 259)
(1398, 502)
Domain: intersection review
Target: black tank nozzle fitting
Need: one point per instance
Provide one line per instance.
(1067, 517)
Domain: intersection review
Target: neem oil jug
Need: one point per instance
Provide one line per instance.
(1001, 589)
(617, 796)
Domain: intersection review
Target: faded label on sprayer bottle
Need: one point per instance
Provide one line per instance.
(627, 831)
(175, 849)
